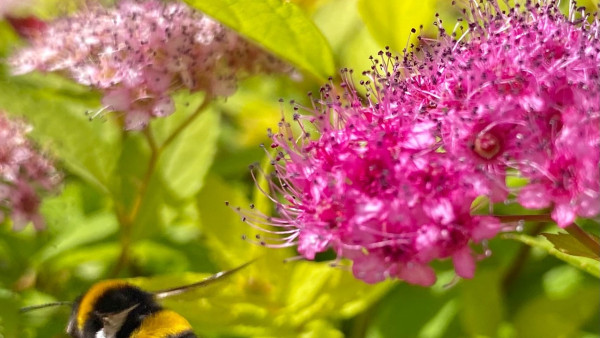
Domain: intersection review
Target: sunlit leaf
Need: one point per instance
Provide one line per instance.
(222, 226)
(349, 37)
(570, 245)
(279, 26)
(320, 328)
(317, 289)
(186, 161)
(391, 21)
(56, 109)
(586, 264)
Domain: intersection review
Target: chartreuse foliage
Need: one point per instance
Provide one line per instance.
(279, 26)
(390, 22)
(182, 231)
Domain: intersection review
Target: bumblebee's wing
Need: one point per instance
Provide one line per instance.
(205, 282)
(41, 306)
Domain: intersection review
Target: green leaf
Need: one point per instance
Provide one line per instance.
(186, 161)
(425, 312)
(390, 21)
(88, 263)
(438, 324)
(545, 317)
(221, 225)
(350, 39)
(69, 226)
(320, 328)
(317, 290)
(562, 281)
(152, 257)
(279, 26)
(482, 303)
(586, 264)
(571, 246)
(56, 109)
(9, 314)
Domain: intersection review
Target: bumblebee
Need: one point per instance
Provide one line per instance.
(118, 309)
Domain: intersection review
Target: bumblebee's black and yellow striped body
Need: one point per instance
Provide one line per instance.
(116, 309)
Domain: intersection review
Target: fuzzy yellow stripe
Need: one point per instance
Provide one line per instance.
(162, 324)
(89, 299)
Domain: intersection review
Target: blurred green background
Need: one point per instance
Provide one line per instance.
(184, 232)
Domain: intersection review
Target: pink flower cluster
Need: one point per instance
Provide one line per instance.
(389, 180)
(520, 95)
(140, 51)
(23, 173)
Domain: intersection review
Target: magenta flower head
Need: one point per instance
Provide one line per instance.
(140, 51)
(24, 173)
(372, 187)
(518, 93)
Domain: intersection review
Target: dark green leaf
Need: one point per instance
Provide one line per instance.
(425, 312)
(278, 26)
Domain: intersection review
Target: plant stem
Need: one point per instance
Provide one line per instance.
(187, 122)
(574, 230)
(127, 219)
(154, 156)
(525, 218)
(583, 238)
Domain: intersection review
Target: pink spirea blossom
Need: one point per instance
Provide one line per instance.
(388, 182)
(24, 173)
(139, 51)
(518, 93)
(373, 188)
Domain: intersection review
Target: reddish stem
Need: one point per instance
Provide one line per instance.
(524, 218)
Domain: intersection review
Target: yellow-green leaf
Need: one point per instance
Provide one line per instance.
(586, 264)
(390, 21)
(278, 26)
(571, 246)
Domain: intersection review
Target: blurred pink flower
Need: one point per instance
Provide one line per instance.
(24, 172)
(140, 51)
(8, 7)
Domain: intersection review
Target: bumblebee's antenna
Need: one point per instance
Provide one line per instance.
(205, 282)
(41, 306)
